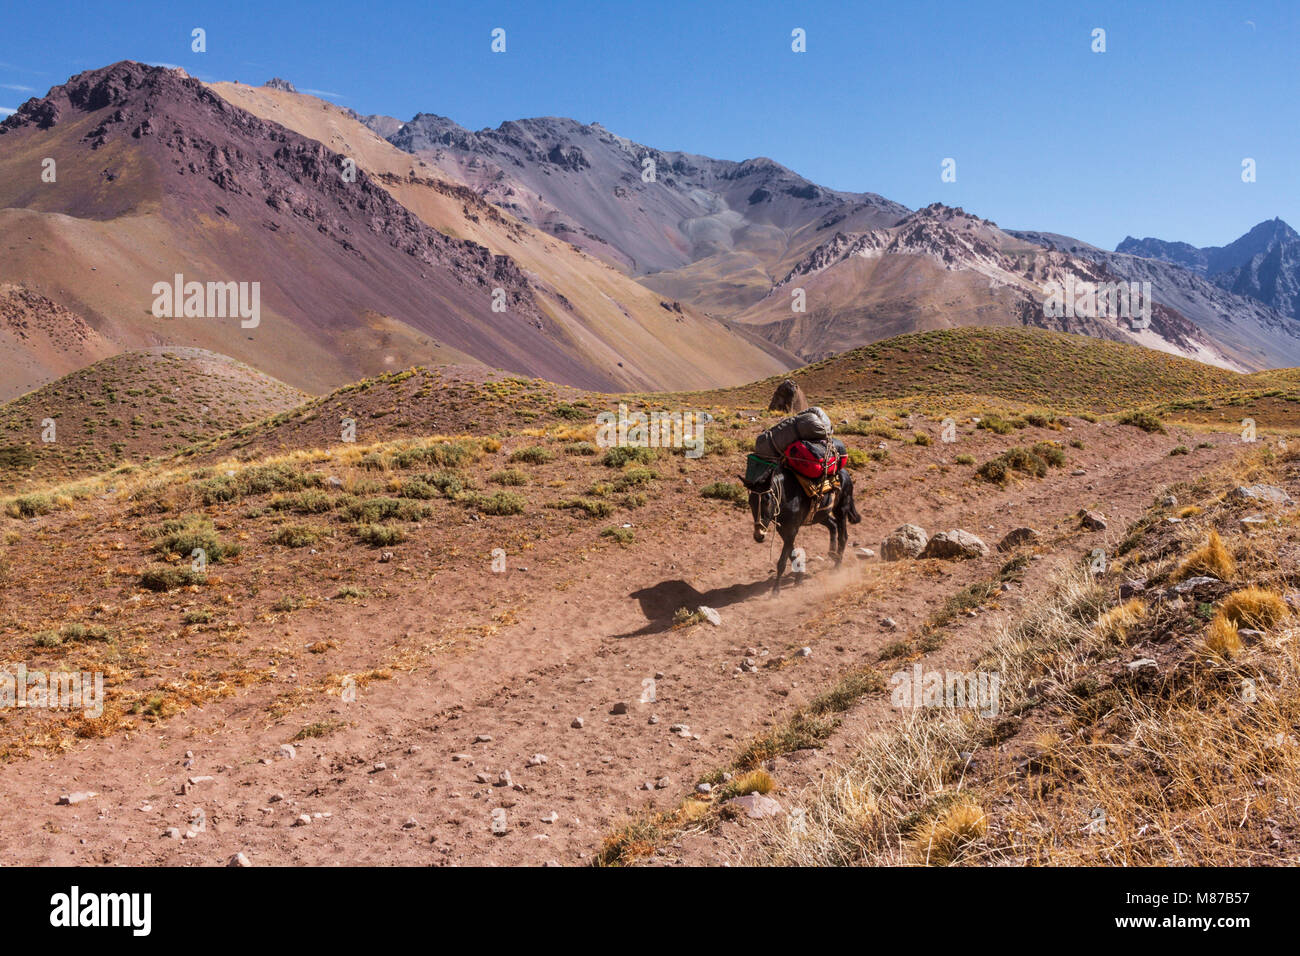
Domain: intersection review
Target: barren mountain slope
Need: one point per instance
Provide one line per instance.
(705, 231)
(659, 343)
(940, 268)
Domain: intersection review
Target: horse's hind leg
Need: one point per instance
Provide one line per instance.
(786, 549)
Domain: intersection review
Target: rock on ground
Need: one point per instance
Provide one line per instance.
(906, 541)
(955, 545)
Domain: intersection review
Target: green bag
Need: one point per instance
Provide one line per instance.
(756, 468)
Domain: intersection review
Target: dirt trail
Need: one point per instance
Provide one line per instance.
(588, 635)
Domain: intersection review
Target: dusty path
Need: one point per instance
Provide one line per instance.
(388, 786)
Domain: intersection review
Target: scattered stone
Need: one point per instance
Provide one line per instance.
(1249, 634)
(889, 624)
(551, 817)
(482, 778)
(172, 833)
(483, 739)
(536, 760)
(1169, 501)
(499, 825)
(1135, 666)
(1017, 537)
(663, 783)
(1252, 523)
(654, 719)
(410, 824)
(1132, 588)
(1261, 494)
(504, 779)
(619, 708)
(803, 652)
(704, 788)
(334, 481)
(239, 859)
(710, 615)
(275, 798)
(1191, 584)
(757, 806)
(748, 665)
(905, 541)
(1078, 473)
(681, 730)
(302, 820)
(386, 557)
(80, 796)
(457, 757)
(865, 553)
(955, 545)
(1092, 520)
(577, 723)
(288, 751)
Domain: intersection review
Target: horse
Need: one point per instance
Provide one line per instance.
(778, 498)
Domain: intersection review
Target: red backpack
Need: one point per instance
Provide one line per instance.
(810, 461)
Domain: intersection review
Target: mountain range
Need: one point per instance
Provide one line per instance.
(544, 247)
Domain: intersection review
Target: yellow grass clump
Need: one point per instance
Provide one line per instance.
(1212, 559)
(1253, 607)
(1114, 624)
(950, 835)
(756, 781)
(1221, 638)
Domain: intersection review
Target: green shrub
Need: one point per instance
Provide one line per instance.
(497, 503)
(165, 577)
(965, 459)
(1143, 420)
(620, 455)
(534, 455)
(296, 536)
(1181, 450)
(726, 491)
(580, 448)
(624, 536)
(184, 535)
(197, 616)
(511, 476)
(593, 509)
(380, 534)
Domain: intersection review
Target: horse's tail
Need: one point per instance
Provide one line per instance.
(850, 507)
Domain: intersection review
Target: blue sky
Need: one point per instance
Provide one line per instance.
(1147, 138)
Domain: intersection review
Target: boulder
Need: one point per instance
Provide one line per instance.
(1092, 520)
(1018, 536)
(1260, 494)
(788, 398)
(906, 541)
(756, 806)
(955, 545)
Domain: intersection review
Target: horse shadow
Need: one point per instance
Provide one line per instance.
(661, 601)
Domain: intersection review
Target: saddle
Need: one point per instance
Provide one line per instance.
(822, 492)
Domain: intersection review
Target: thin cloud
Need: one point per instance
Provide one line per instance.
(17, 87)
(333, 96)
(19, 69)
(5, 111)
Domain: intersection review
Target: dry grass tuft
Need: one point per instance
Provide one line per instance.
(1222, 639)
(951, 835)
(1212, 559)
(1253, 607)
(1114, 625)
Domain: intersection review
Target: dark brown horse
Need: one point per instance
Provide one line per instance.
(778, 498)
